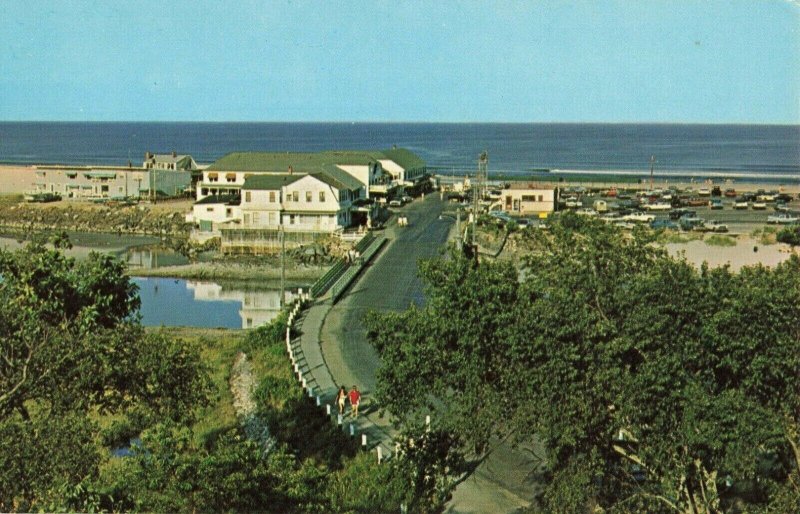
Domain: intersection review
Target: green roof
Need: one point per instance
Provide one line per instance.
(281, 161)
(338, 178)
(269, 182)
(407, 159)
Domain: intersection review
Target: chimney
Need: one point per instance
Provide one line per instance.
(290, 170)
(174, 153)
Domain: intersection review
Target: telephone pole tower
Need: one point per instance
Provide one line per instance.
(479, 190)
(652, 164)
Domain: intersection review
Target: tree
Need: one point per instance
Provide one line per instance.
(71, 345)
(656, 386)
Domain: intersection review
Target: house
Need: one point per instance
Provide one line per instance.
(525, 199)
(227, 175)
(213, 212)
(404, 166)
(99, 182)
(171, 161)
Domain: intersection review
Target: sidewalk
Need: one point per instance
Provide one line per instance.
(321, 384)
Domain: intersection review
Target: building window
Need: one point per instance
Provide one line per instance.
(322, 196)
(308, 196)
(228, 212)
(272, 196)
(291, 219)
(295, 196)
(541, 198)
(247, 196)
(209, 209)
(204, 191)
(246, 219)
(104, 189)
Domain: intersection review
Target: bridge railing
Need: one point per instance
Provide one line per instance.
(344, 280)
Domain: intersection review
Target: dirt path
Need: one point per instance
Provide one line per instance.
(242, 384)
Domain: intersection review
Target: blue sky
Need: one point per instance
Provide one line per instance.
(532, 61)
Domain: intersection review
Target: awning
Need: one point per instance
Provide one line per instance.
(230, 176)
(213, 175)
(100, 174)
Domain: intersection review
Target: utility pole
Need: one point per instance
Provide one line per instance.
(282, 237)
(652, 163)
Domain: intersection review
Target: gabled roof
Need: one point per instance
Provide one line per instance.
(405, 158)
(338, 178)
(282, 161)
(223, 199)
(269, 182)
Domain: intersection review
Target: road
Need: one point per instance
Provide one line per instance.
(508, 477)
(389, 283)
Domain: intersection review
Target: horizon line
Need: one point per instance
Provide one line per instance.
(408, 122)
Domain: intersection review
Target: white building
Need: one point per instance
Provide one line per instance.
(527, 199)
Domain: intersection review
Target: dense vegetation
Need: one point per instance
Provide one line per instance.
(80, 377)
(654, 387)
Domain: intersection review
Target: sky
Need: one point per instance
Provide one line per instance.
(732, 61)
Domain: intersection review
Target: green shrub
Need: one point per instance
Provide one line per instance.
(789, 235)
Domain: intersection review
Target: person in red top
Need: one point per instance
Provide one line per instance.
(355, 399)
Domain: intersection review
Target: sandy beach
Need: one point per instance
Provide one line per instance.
(743, 254)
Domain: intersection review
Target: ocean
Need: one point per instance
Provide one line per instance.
(740, 152)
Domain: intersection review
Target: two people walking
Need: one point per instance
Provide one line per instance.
(354, 396)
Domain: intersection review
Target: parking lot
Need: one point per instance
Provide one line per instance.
(739, 221)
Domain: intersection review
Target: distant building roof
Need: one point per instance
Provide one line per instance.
(405, 158)
(529, 185)
(338, 178)
(305, 162)
(181, 161)
(220, 199)
(270, 182)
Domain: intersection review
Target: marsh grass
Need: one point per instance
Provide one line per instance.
(719, 240)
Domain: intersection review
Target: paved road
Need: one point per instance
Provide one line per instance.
(390, 283)
(506, 477)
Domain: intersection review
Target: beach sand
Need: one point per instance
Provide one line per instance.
(697, 252)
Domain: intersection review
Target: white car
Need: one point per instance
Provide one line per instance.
(658, 206)
(586, 212)
(712, 226)
(740, 204)
(782, 219)
(704, 192)
(760, 206)
(639, 217)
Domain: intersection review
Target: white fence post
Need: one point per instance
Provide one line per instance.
(380, 454)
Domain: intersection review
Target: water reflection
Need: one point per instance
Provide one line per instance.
(194, 303)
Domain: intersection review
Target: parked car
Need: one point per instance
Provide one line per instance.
(395, 203)
(657, 224)
(716, 191)
(657, 206)
(704, 191)
(759, 205)
(690, 222)
(712, 226)
(783, 197)
(741, 203)
(730, 193)
(782, 219)
(716, 203)
(749, 197)
(677, 214)
(640, 217)
(766, 197)
(586, 212)
(697, 202)
(781, 207)
(407, 199)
